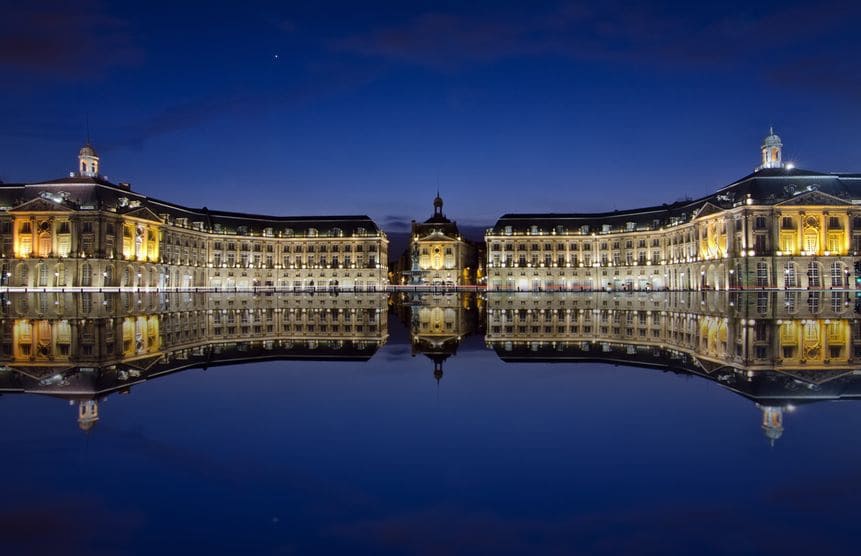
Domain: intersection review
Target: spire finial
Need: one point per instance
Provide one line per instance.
(771, 130)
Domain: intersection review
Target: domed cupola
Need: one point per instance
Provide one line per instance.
(772, 155)
(437, 205)
(88, 161)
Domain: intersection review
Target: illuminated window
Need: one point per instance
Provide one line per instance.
(86, 275)
(761, 274)
(814, 277)
(790, 276)
(837, 275)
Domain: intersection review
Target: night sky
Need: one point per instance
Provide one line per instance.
(364, 107)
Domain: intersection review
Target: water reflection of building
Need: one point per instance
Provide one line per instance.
(438, 323)
(779, 349)
(85, 346)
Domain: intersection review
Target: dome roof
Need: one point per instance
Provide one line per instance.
(87, 150)
(773, 139)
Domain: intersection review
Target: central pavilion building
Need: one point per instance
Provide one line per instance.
(438, 254)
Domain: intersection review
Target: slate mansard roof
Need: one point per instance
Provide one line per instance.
(767, 186)
(94, 193)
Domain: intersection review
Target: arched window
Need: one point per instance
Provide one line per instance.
(45, 244)
(42, 270)
(23, 275)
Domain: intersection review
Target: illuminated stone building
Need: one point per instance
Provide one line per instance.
(779, 227)
(86, 346)
(779, 349)
(438, 253)
(85, 231)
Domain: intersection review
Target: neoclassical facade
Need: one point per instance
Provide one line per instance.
(438, 254)
(84, 231)
(779, 227)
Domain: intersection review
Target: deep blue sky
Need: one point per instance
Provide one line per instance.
(564, 106)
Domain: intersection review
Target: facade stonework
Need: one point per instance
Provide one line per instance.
(438, 255)
(779, 227)
(86, 232)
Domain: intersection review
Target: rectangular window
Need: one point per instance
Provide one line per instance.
(837, 275)
(761, 274)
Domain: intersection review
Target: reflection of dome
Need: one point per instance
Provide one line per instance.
(87, 424)
(772, 422)
(87, 150)
(773, 433)
(88, 414)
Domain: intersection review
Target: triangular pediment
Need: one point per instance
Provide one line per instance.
(145, 363)
(814, 198)
(40, 371)
(707, 209)
(437, 236)
(143, 213)
(40, 204)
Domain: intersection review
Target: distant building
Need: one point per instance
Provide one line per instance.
(779, 227)
(438, 255)
(85, 231)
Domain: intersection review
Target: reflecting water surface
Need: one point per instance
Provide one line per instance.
(426, 424)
